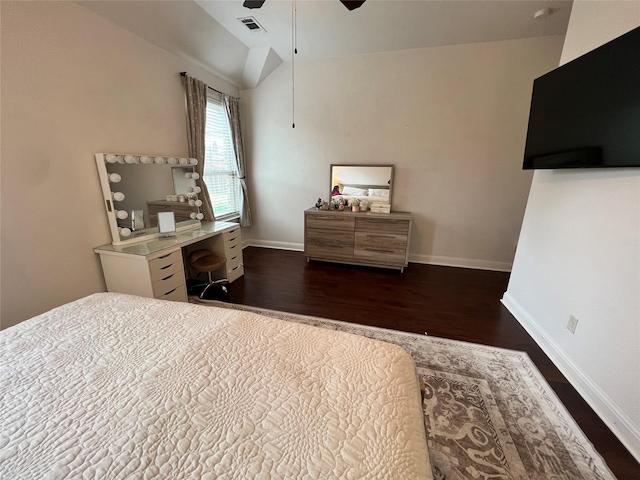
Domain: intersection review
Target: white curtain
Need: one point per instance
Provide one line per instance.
(232, 108)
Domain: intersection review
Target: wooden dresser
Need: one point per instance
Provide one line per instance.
(363, 238)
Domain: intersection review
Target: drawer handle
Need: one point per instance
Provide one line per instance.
(167, 278)
(236, 267)
(233, 258)
(231, 239)
(233, 246)
(373, 235)
(166, 266)
(169, 292)
(378, 250)
(167, 255)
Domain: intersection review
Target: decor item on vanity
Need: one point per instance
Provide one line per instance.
(143, 182)
(364, 205)
(354, 203)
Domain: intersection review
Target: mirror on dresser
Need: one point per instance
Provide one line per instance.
(373, 183)
(138, 187)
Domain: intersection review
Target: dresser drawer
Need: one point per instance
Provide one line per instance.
(178, 294)
(331, 222)
(329, 244)
(167, 285)
(165, 265)
(383, 248)
(382, 225)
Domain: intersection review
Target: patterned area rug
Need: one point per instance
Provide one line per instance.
(488, 412)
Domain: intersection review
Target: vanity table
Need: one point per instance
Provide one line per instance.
(156, 268)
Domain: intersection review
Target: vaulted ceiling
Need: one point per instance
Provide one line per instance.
(211, 34)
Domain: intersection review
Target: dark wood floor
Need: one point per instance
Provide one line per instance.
(456, 303)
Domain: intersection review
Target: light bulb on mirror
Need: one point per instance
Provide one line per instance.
(146, 159)
(129, 159)
(110, 158)
(198, 203)
(172, 161)
(192, 202)
(200, 216)
(197, 189)
(114, 177)
(193, 215)
(117, 196)
(195, 176)
(193, 161)
(184, 161)
(159, 160)
(122, 214)
(120, 159)
(188, 175)
(125, 232)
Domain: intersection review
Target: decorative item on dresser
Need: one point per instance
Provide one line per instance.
(372, 239)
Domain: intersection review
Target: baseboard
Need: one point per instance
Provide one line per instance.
(598, 400)
(426, 259)
(460, 262)
(298, 247)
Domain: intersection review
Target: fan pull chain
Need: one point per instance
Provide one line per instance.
(294, 47)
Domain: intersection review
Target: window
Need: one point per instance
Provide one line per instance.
(220, 170)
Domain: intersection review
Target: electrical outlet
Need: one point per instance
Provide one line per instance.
(573, 323)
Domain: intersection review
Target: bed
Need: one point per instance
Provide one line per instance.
(119, 386)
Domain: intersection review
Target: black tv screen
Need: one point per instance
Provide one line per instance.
(586, 113)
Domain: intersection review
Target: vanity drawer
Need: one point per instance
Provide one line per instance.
(178, 294)
(232, 237)
(234, 261)
(167, 285)
(235, 272)
(165, 265)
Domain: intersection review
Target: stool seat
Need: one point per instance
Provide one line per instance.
(206, 261)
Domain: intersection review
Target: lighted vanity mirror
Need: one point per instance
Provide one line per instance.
(372, 183)
(137, 188)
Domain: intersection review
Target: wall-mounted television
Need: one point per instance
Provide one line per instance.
(586, 113)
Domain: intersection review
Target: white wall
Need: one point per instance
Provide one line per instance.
(73, 84)
(579, 254)
(452, 119)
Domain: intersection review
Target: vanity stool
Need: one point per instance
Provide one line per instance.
(207, 261)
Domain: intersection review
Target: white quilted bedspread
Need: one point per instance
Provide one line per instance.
(116, 386)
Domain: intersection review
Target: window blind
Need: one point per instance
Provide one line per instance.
(220, 170)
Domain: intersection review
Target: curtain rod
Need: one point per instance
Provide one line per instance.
(182, 74)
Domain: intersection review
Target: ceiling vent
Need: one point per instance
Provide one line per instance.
(252, 25)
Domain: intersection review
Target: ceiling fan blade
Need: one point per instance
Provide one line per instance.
(255, 3)
(351, 5)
